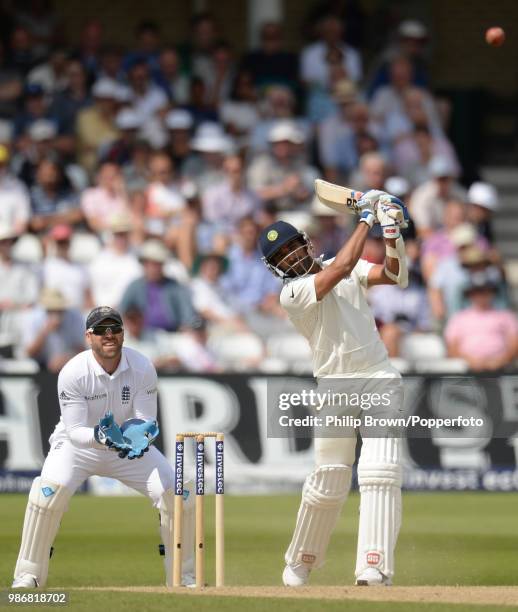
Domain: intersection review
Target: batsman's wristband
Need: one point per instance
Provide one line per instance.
(368, 217)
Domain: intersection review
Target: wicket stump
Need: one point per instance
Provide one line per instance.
(200, 507)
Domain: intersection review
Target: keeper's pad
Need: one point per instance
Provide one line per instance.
(379, 479)
(166, 508)
(401, 278)
(323, 495)
(47, 503)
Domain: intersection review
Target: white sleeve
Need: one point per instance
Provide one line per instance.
(74, 412)
(299, 296)
(145, 400)
(361, 270)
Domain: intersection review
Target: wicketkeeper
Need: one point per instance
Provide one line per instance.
(99, 389)
(326, 302)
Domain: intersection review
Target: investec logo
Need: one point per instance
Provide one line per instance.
(179, 469)
(200, 476)
(220, 486)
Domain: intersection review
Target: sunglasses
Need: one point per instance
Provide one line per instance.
(102, 330)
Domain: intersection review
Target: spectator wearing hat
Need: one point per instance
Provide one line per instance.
(116, 265)
(439, 244)
(58, 271)
(411, 42)
(53, 332)
(484, 336)
(428, 200)
(95, 126)
(225, 203)
(15, 208)
(128, 123)
(18, 289)
(281, 176)
(271, 64)
(452, 274)
(482, 204)
(313, 68)
(165, 302)
(210, 144)
(170, 77)
(52, 202)
(164, 201)
(179, 123)
(107, 199)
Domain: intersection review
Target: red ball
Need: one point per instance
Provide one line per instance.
(495, 37)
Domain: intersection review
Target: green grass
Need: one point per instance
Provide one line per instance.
(446, 539)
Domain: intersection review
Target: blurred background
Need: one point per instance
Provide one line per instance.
(143, 146)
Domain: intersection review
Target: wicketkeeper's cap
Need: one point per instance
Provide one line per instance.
(275, 236)
(100, 314)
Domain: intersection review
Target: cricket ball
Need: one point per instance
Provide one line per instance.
(495, 37)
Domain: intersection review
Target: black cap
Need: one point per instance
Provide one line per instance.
(275, 236)
(100, 314)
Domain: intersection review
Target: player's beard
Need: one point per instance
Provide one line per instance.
(108, 347)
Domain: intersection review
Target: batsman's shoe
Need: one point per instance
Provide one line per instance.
(373, 577)
(25, 581)
(295, 575)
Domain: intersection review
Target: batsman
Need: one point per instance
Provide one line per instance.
(99, 389)
(326, 302)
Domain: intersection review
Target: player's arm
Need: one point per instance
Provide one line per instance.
(378, 273)
(74, 413)
(344, 262)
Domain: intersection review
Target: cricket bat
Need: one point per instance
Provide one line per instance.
(341, 199)
(345, 200)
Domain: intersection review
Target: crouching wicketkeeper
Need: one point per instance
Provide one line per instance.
(98, 389)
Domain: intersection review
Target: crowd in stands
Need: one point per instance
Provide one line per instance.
(140, 178)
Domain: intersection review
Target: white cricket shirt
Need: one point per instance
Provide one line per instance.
(86, 392)
(340, 328)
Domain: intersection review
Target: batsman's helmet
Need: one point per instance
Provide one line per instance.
(274, 237)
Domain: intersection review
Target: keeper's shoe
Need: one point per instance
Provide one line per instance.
(373, 577)
(25, 581)
(295, 575)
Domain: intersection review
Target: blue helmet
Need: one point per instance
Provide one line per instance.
(274, 237)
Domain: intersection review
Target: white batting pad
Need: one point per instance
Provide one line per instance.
(166, 530)
(47, 503)
(379, 479)
(323, 495)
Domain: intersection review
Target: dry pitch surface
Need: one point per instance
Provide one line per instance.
(475, 595)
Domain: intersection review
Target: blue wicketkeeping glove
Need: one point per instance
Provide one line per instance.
(141, 434)
(110, 434)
